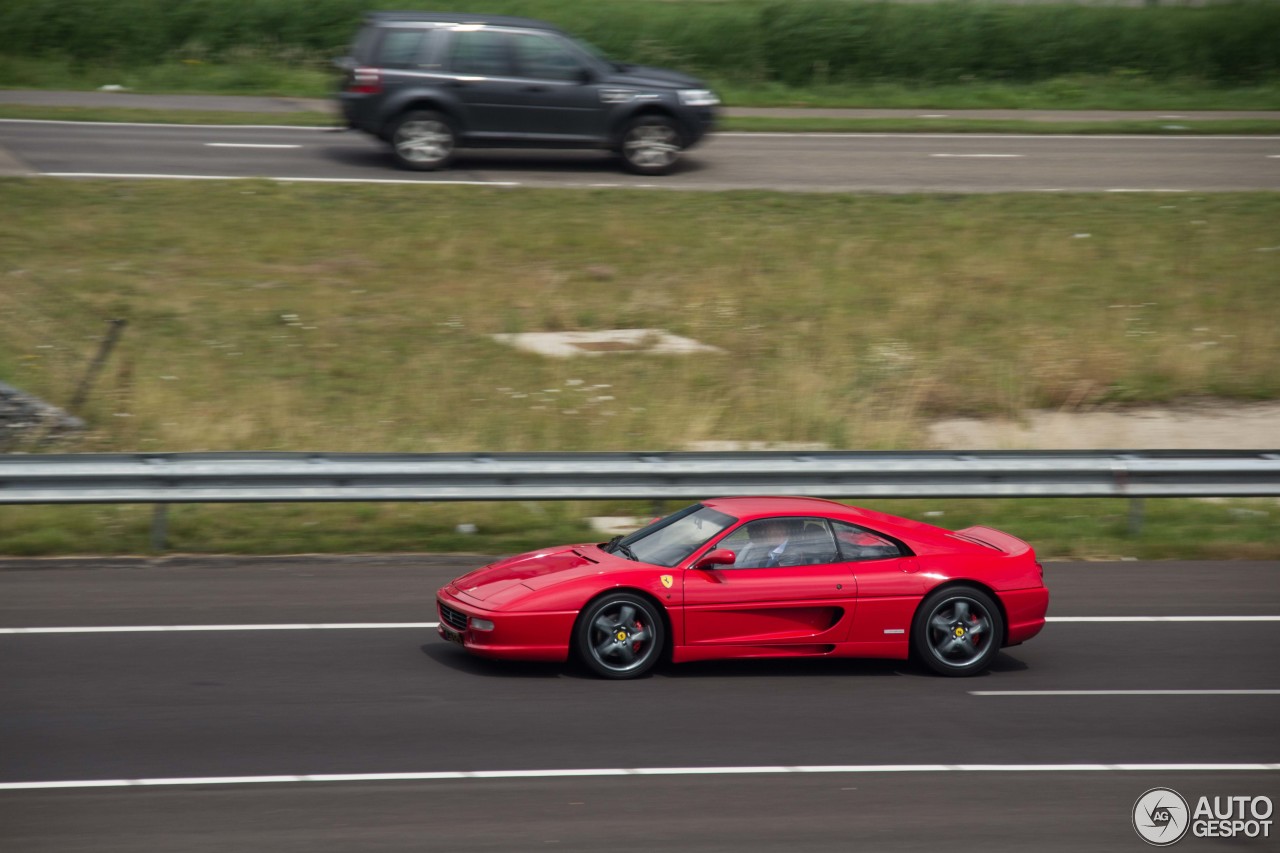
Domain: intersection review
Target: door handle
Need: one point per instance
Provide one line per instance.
(535, 88)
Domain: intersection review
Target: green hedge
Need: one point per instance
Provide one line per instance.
(799, 43)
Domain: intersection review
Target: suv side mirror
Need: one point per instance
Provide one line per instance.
(718, 557)
(584, 76)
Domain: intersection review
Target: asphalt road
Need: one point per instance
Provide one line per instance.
(235, 702)
(889, 163)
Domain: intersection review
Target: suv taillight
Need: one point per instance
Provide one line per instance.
(365, 81)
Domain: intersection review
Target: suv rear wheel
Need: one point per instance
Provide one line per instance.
(423, 140)
(651, 145)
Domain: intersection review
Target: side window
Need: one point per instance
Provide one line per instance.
(479, 52)
(857, 543)
(402, 48)
(774, 542)
(544, 58)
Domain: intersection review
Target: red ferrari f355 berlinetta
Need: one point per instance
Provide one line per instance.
(757, 578)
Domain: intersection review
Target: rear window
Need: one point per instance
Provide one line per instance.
(402, 48)
(362, 47)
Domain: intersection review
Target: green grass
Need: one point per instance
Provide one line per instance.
(798, 42)
(266, 316)
(351, 318)
(1078, 529)
(1117, 91)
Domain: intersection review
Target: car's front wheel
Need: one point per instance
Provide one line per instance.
(957, 631)
(620, 635)
(651, 145)
(423, 140)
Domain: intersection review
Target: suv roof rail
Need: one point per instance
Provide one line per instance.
(459, 18)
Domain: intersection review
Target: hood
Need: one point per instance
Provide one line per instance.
(534, 570)
(641, 75)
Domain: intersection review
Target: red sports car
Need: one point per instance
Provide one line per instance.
(757, 578)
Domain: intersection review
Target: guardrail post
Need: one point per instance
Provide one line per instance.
(1137, 510)
(160, 528)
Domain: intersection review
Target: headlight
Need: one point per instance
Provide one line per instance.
(698, 98)
(481, 624)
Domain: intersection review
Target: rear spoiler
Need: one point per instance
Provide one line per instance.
(996, 539)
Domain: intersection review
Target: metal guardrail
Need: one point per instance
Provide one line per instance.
(294, 477)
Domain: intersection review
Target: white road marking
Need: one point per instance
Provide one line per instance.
(139, 629)
(247, 145)
(1124, 692)
(979, 156)
(312, 127)
(1162, 619)
(364, 626)
(733, 133)
(1092, 137)
(641, 771)
(283, 180)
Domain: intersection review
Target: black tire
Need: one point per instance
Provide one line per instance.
(620, 635)
(423, 140)
(957, 631)
(650, 145)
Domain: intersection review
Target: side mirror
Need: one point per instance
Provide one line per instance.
(718, 557)
(584, 76)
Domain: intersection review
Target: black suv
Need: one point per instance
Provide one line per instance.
(430, 83)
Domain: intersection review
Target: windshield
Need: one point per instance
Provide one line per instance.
(669, 540)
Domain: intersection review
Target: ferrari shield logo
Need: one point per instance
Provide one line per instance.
(666, 581)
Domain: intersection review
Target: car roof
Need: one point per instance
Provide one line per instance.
(748, 508)
(461, 18)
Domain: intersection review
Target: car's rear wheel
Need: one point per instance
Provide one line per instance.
(651, 145)
(957, 631)
(423, 140)
(620, 635)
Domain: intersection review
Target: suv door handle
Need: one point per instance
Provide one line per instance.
(535, 88)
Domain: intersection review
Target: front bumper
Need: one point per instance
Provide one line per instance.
(515, 636)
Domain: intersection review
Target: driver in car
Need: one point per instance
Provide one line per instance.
(771, 545)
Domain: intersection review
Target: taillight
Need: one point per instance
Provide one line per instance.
(365, 81)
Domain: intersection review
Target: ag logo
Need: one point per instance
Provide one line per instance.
(1161, 817)
(667, 580)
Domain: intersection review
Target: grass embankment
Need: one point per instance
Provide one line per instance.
(357, 318)
(758, 52)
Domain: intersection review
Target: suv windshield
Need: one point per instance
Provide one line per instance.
(669, 540)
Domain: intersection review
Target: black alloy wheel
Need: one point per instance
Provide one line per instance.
(957, 631)
(620, 635)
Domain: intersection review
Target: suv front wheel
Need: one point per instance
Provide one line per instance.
(650, 145)
(423, 140)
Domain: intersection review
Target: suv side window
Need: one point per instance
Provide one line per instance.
(402, 48)
(544, 58)
(479, 52)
